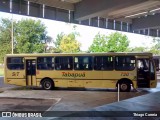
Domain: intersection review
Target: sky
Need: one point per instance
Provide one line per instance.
(87, 33)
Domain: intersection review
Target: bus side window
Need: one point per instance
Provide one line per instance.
(50, 66)
(125, 63)
(81, 66)
(85, 66)
(64, 63)
(83, 63)
(76, 66)
(107, 62)
(45, 63)
(58, 67)
(15, 63)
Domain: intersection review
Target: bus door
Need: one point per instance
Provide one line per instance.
(156, 61)
(31, 72)
(143, 73)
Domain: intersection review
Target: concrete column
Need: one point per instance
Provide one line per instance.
(43, 9)
(139, 31)
(98, 22)
(148, 31)
(89, 21)
(10, 5)
(106, 22)
(127, 27)
(69, 16)
(157, 33)
(121, 25)
(28, 8)
(114, 24)
(144, 31)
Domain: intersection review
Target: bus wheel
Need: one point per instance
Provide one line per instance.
(47, 84)
(125, 87)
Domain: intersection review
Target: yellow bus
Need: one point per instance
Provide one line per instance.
(85, 70)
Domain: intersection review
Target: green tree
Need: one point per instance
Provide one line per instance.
(138, 49)
(5, 38)
(58, 42)
(30, 35)
(116, 42)
(155, 49)
(99, 44)
(58, 39)
(69, 44)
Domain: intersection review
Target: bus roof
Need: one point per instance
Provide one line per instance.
(81, 54)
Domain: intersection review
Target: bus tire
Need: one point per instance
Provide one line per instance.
(125, 87)
(47, 84)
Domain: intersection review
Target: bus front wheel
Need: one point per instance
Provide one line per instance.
(47, 84)
(125, 87)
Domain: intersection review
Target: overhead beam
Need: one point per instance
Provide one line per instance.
(55, 3)
(92, 8)
(145, 6)
(151, 21)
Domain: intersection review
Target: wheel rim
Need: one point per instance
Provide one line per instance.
(47, 85)
(124, 87)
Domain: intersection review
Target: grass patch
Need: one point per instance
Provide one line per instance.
(1, 71)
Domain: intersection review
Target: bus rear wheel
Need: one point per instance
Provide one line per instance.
(125, 87)
(47, 84)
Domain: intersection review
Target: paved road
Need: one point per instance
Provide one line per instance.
(2, 85)
(67, 99)
(1, 81)
(75, 99)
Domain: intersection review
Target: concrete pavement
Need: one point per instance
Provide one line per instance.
(145, 107)
(94, 102)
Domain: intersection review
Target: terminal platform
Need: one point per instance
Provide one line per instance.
(145, 107)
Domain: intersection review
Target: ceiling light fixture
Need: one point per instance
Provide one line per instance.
(141, 13)
(136, 14)
(154, 10)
